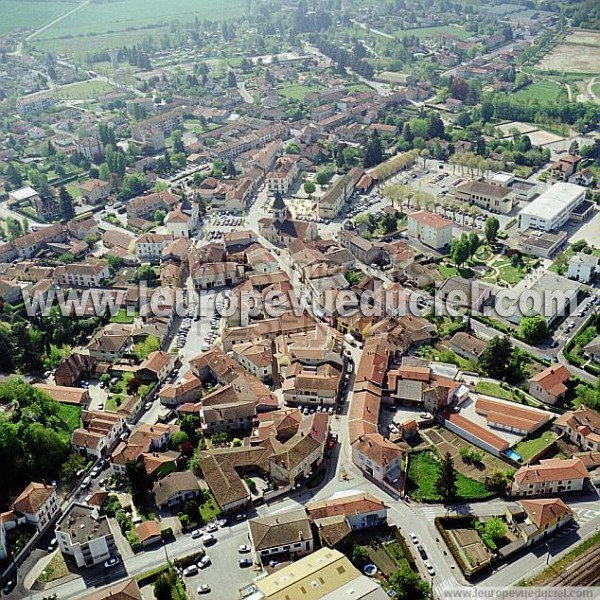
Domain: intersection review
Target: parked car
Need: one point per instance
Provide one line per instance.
(212, 527)
(414, 539)
(191, 570)
(209, 538)
(245, 562)
(244, 548)
(421, 551)
(112, 562)
(197, 533)
(429, 568)
(204, 562)
(52, 545)
(203, 588)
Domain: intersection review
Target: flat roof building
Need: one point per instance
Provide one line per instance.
(552, 209)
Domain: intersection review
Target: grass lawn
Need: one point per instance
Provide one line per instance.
(422, 475)
(493, 389)
(451, 271)
(358, 87)
(122, 317)
(70, 414)
(298, 92)
(532, 446)
(596, 89)
(56, 569)
(425, 32)
(396, 552)
(85, 90)
(544, 91)
(210, 509)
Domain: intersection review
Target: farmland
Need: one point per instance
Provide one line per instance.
(543, 91)
(16, 15)
(577, 54)
(100, 26)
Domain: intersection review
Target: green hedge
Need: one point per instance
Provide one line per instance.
(149, 577)
(190, 559)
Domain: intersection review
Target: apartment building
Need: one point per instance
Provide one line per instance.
(583, 267)
(165, 122)
(312, 384)
(149, 246)
(144, 207)
(82, 274)
(85, 536)
(431, 229)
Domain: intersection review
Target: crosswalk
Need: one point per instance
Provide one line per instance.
(584, 515)
(447, 584)
(429, 513)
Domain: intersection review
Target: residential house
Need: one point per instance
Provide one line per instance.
(149, 246)
(467, 346)
(583, 267)
(144, 207)
(286, 533)
(100, 432)
(312, 384)
(551, 476)
(377, 457)
(75, 396)
(592, 350)
(175, 489)
(580, 427)
(94, 191)
(72, 369)
(187, 389)
(37, 503)
(283, 176)
(549, 385)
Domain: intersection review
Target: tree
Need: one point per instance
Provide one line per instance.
(574, 147)
(309, 187)
(495, 527)
(65, 200)
(323, 177)
(534, 329)
(408, 585)
(424, 154)
(496, 480)
(139, 482)
(474, 242)
(162, 587)
(359, 556)
(459, 251)
(178, 439)
(146, 273)
(142, 349)
(159, 216)
(74, 463)
(459, 88)
(191, 509)
(292, 148)
(496, 358)
(231, 79)
(492, 226)
(373, 152)
(445, 484)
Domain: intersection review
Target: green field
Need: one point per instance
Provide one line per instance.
(596, 89)
(85, 90)
(529, 448)
(490, 388)
(70, 414)
(544, 91)
(18, 14)
(98, 18)
(425, 32)
(422, 475)
(298, 92)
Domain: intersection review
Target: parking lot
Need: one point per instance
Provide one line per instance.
(223, 575)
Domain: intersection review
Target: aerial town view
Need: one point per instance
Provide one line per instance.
(299, 299)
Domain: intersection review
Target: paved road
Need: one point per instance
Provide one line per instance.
(57, 20)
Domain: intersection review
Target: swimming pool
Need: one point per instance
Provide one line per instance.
(513, 455)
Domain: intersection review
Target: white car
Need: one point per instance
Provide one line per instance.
(197, 533)
(191, 570)
(413, 537)
(244, 548)
(429, 568)
(203, 588)
(209, 538)
(204, 562)
(212, 527)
